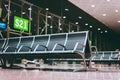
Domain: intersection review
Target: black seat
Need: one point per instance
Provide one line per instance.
(40, 43)
(26, 44)
(11, 45)
(76, 42)
(115, 55)
(106, 56)
(57, 42)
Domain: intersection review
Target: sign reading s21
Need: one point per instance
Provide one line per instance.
(21, 23)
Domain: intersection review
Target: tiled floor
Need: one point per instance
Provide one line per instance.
(22, 74)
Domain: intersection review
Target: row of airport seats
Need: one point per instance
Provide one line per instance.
(106, 56)
(61, 45)
(98, 57)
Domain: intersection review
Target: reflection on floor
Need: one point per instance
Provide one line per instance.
(24, 74)
(60, 72)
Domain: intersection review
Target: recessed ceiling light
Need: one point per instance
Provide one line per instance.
(51, 26)
(90, 26)
(98, 28)
(66, 9)
(47, 9)
(92, 5)
(76, 22)
(108, 0)
(80, 17)
(86, 24)
(23, 12)
(49, 16)
(104, 14)
(106, 31)
(29, 8)
(64, 17)
(118, 21)
(116, 11)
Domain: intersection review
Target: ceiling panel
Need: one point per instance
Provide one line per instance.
(106, 11)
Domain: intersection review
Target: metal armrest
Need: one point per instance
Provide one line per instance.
(59, 45)
(41, 46)
(62, 46)
(96, 51)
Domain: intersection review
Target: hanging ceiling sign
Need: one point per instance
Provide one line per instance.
(21, 23)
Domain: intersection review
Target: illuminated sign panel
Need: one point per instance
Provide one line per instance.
(20, 23)
(0, 12)
(3, 25)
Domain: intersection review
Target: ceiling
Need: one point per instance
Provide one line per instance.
(106, 11)
(89, 14)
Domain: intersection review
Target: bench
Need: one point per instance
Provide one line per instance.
(74, 45)
(106, 56)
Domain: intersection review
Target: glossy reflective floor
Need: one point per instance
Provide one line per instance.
(23, 74)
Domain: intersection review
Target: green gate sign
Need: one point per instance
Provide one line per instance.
(20, 23)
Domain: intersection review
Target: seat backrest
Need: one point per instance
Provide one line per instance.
(115, 55)
(12, 44)
(56, 39)
(26, 44)
(77, 41)
(2, 44)
(40, 41)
